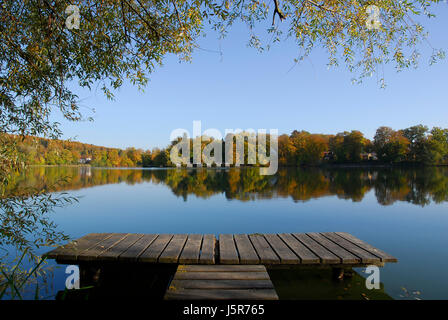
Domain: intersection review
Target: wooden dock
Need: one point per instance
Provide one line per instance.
(221, 282)
(230, 267)
(328, 248)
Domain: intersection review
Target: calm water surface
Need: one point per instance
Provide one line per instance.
(403, 211)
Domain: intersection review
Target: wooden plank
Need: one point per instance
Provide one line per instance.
(217, 294)
(173, 250)
(71, 250)
(192, 249)
(385, 257)
(221, 276)
(152, 253)
(221, 284)
(93, 253)
(207, 255)
(306, 255)
(227, 250)
(246, 251)
(264, 251)
(114, 252)
(346, 257)
(281, 249)
(221, 268)
(365, 256)
(134, 251)
(190, 284)
(325, 256)
(312, 248)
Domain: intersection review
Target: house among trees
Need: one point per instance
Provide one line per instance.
(369, 156)
(329, 156)
(85, 160)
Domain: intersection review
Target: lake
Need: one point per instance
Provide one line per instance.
(403, 211)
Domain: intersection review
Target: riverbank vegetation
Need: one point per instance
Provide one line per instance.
(414, 145)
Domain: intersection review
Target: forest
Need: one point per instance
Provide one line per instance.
(417, 144)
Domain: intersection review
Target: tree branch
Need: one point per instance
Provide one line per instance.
(124, 19)
(320, 6)
(277, 11)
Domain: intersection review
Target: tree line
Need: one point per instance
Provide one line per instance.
(42, 151)
(417, 144)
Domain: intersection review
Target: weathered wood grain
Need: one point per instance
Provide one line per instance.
(217, 294)
(207, 255)
(114, 252)
(71, 250)
(344, 255)
(365, 256)
(306, 255)
(192, 249)
(173, 250)
(152, 253)
(325, 256)
(227, 250)
(221, 284)
(92, 253)
(337, 248)
(385, 257)
(281, 249)
(221, 275)
(221, 268)
(134, 251)
(246, 251)
(264, 251)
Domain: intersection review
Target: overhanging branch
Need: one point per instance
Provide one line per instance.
(277, 11)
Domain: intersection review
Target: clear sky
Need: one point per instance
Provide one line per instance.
(245, 89)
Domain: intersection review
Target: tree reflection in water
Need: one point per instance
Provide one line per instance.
(418, 186)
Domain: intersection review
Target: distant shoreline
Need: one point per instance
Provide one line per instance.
(325, 165)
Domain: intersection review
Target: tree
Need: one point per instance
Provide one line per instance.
(353, 145)
(348, 146)
(337, 146)
(42, 58)
(438, 141)
(419, 147)
(390, 145)
(134, 155)
(286, 151)
(315, 146)
(298, 140)
(146, 159)
(113, 159)
(160, 158)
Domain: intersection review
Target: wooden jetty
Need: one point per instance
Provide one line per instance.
(218, 282)
(230, 267)
(327, 248)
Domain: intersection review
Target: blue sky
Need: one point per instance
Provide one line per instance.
(245, 89)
